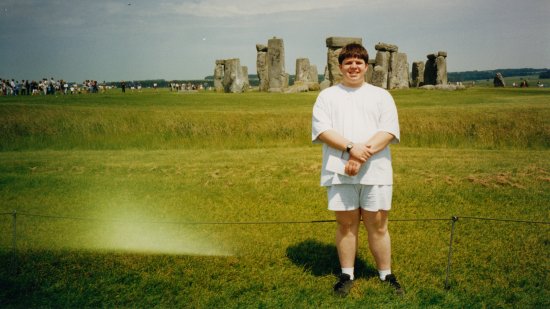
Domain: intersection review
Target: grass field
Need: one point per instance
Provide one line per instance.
(109, 190)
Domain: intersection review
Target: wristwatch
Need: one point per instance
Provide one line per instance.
(349, 146)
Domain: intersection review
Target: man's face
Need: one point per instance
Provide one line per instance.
(353, 71)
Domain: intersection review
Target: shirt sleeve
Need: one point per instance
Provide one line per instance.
(389, 121)
(320, 121)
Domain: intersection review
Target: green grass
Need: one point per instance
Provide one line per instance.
(480, 118)
(138, 249)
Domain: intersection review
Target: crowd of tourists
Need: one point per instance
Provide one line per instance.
(175, 86)
(47, 87)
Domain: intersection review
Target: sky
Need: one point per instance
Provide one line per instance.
(104, 40)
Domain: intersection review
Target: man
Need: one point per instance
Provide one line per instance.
(356, 121)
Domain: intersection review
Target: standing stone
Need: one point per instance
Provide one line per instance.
(233, 81)
(307, 78)
(430, 70)
(381, 69)
(399, 71)
(498, 81)
(435, 70)
(334, 45)
(278, 78)
(302, 70)
(370, 71)
(385, 55)
(441, 64)
(218, 75)
(261, 67)
(244, 74)
(418, 74)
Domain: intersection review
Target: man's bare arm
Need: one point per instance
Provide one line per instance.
(360, 151)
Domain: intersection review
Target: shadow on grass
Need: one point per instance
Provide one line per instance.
(322, 259)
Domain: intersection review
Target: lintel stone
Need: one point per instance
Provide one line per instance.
(336, 41)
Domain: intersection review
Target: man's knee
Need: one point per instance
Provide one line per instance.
(380, 230)
(347, 226)
(377, 226)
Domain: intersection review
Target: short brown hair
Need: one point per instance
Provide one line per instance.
(353, 50)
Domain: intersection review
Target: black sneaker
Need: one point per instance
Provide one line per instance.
(343, 286)
(392, 281)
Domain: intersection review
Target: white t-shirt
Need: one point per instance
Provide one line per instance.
(357, 114)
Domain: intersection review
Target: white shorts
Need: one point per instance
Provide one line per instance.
(347, 197)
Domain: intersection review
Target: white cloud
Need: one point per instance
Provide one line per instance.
(223, 8)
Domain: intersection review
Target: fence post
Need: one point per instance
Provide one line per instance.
(447, 285)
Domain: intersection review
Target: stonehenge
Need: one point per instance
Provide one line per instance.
(261, 67)
(306, 78)
(270, 66)
(417, 78)
(388, 69)
(435, 69)
(391, 69)
(230, 76)
(278, 78)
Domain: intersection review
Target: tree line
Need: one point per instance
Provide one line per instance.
(490, 74)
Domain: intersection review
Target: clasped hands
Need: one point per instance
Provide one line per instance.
(358, 155)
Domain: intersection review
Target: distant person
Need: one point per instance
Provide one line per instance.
(123, 86)
(356, 122)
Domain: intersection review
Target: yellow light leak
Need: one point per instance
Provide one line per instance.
(138, 233)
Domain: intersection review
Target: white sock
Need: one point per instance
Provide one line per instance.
(349, 271)
(384, 273)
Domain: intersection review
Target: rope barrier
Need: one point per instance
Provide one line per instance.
(506, 220)
(453, 220)
(265, 222)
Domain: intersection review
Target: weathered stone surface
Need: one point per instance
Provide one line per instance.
(370, 71)
(262, 70)
(386, 47)
(261, 48)
(233, 80)
(339, 42)
(306, 76)
(380, 77)
(441, 66)
(498, 81)
(302, 70)
(218, 75)
(246, 80)
(435, 70)
(381, 69)
(383, 59)
(334, 74)
(278, 78)
(399, 71)
(417, 74)
(299, 87)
